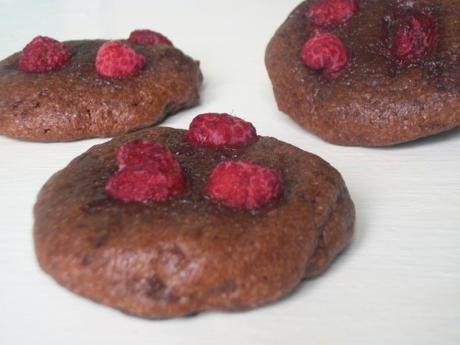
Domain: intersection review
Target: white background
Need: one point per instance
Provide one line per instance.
(399, 282)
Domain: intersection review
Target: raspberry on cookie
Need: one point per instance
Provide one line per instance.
(148, 37)
(117, 60)
(414, 35)
(220, 130)
(242, 184)
(147, 172)
(43, 54)
(326, 13)
(325, 52)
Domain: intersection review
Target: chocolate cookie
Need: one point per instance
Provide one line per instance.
(75, 101)
(192, 250)
(369, 72)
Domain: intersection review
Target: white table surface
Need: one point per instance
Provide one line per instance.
(399, 282)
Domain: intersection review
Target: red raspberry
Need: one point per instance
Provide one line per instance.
(43, 54)
(140, 153)
(327, 13)
(220, 130)
(145, 184)
(244, 185)
(148, 37)
(147, 171)
(325, 52)
(117, 60)
(416, 37)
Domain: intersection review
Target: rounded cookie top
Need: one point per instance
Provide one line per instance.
(190, 252)
(393, 89)
(75, 101)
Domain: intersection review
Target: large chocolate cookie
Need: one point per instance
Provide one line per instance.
(387, 94)
(190, 253)
(75, 102)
